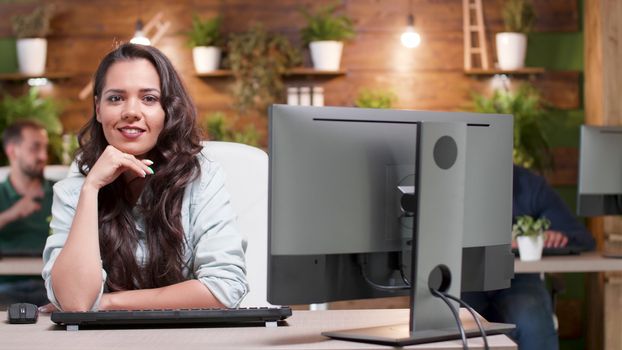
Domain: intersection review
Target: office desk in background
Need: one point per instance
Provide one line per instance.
(584, 262)
(604, 320)
(303, 332)
(21, 266)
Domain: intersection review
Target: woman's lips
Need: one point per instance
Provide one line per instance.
(131, 133)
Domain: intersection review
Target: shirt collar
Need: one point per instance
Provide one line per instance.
(45, 184)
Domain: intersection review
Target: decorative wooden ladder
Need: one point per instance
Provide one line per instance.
(155, 23)
(474, 23)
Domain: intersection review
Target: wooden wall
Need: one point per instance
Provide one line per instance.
(430, 77)
(603, 106)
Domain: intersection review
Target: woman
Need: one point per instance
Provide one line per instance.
(148, 224)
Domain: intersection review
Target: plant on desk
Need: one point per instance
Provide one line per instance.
(529, 235)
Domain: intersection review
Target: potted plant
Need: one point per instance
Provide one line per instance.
(375, 98)
(518, 17)
(325, 33)
(219, 129)
(30, 106)
(30, 31)
(531, 147)
(204, 38)
(258, 60)
(529, 235)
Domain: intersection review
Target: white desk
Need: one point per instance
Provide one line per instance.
(21, 266)
(604, 306)
(585, 262)
(303, 332)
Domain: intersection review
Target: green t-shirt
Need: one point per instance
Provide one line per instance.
(27, 234)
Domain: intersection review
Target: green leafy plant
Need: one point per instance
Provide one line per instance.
(219, 129)
(204, 32)
(375, 98)
(527, 226)
(324, 24)
(46, 111)
(531, 147)
(68, 146)
(35, 24)
(258, 60)
(518, 16)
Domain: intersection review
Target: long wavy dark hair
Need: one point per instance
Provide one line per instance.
(176, 166)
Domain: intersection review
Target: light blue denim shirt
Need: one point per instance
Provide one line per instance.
(214, 247)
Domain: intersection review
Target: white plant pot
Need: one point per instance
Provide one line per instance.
(31, 55)
(511, 50)
(326, 55)
(206, 58)
(530, 247)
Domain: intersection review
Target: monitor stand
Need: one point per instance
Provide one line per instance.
(437, 244)
(400, 334)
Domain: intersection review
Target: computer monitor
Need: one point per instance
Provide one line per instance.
(600, 171)
(353, 191)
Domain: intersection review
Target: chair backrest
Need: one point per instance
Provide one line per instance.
(246, 170)
(51, 172)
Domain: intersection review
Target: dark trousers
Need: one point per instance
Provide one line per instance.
(23, 291)
(527, 304)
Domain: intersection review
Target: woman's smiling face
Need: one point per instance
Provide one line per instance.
(129, 107)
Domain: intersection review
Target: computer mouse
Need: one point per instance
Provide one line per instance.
(23, 313)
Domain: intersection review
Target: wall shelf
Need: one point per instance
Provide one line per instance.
(294, 72)
(522, 71)
(22, 77)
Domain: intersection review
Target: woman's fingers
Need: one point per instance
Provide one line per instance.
(47, 308)
(113, 163)
(129, 162)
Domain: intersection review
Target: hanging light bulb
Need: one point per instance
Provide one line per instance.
(410, 38)
(139, 36)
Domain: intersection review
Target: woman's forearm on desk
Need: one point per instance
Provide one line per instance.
(187, 294)
(76, 275)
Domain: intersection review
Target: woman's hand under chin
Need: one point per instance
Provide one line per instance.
(112, 163)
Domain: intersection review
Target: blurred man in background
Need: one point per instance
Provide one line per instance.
(25, 207)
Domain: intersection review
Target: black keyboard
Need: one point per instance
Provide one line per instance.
(172, 317)
(567, 250)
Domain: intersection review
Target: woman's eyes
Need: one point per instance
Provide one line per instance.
(149, 99)
(114, 98)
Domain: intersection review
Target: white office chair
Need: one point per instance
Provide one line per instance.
(51, 172)
(246, 170)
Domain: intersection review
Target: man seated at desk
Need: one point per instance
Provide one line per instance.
(25, 207)
(527, 303)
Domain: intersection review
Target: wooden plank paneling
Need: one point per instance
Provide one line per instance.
(430, 77)
(603, 106)
(551, 15)
(565, 167)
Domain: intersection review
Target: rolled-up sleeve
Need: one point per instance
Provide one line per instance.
(66, 195)
(218, 246)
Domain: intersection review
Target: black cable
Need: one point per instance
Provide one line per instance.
(470, 309)
(379, 286)
(403, 274)
(456, 316)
